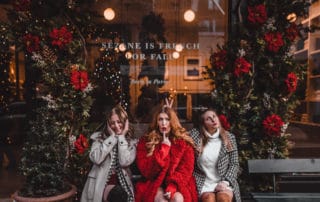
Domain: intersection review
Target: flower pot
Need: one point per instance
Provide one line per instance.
(65, 197)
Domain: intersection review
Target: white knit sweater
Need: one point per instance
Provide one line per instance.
(208, 161)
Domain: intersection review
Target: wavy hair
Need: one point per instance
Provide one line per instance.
(223, 133)
(153, 136)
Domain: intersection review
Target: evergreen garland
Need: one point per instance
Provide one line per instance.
(256, 77)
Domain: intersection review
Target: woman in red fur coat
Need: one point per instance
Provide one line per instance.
(165, 158)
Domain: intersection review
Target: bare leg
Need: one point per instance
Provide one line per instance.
(224, 196)
(177, 197)
(208, 197)
(106, 191)
(159, 196)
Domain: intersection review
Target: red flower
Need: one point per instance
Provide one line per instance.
(60, 37)
(31, 42)
(224, 122)
(291, 82)
(79, 80)
(272, 125)
(257, 14)
(241, 66)
(274, 41)
(81, 144)
(219, 59)
(292, 32)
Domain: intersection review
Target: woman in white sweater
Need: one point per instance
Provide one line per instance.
(112, 151)
(217, 165)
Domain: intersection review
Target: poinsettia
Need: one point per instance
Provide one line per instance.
(81, 144)
(272, 125)
(60, 37)
(219, 59)
(241, 66)
(31, 42)
(292, 32)
(274, 41)
(257, 14)
(79, 79)
(224, 122)
(291, 82)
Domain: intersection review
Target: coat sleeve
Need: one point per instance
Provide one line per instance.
(127, 152)
(233, 168)
(150, 166)
(100, 149)
(182, 174)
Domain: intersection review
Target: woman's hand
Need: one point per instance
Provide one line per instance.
(221, 186)
(166, 140)
(168, 104)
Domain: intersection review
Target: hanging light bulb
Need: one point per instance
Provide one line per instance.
(175, 55)
(178, 47)
(189, 15)
(122, 47)
(109, 14)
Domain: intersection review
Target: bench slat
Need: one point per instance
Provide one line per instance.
(283, 165)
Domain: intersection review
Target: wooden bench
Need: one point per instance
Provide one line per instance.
(294, 167)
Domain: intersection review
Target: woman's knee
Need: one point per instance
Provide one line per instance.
(208, 197)
(177, 197)
(224, 196)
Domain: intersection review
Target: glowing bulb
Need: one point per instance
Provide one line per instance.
(175, 55)
(109, 14)
(128, 55)
(122, 47)
(189, 15)
(292, 17)
(179, 47)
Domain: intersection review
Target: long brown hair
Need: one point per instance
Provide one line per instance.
(223, 133)
(154, 137)
(123, 117)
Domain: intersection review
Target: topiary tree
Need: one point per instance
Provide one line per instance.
(255, 78)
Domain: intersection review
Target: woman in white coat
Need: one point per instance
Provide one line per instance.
(112, 151)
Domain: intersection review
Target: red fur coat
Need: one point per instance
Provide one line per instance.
(167, 167)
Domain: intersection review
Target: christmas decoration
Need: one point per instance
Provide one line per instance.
(52, 35)
(111, 76)
(5, 57)
(255, 78)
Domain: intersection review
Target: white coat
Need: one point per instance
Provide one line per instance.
(101, 155)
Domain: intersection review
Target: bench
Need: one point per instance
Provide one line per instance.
(301, 168)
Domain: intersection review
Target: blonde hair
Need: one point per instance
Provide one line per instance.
(153, 137)
(223, 133)
(123, 117)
